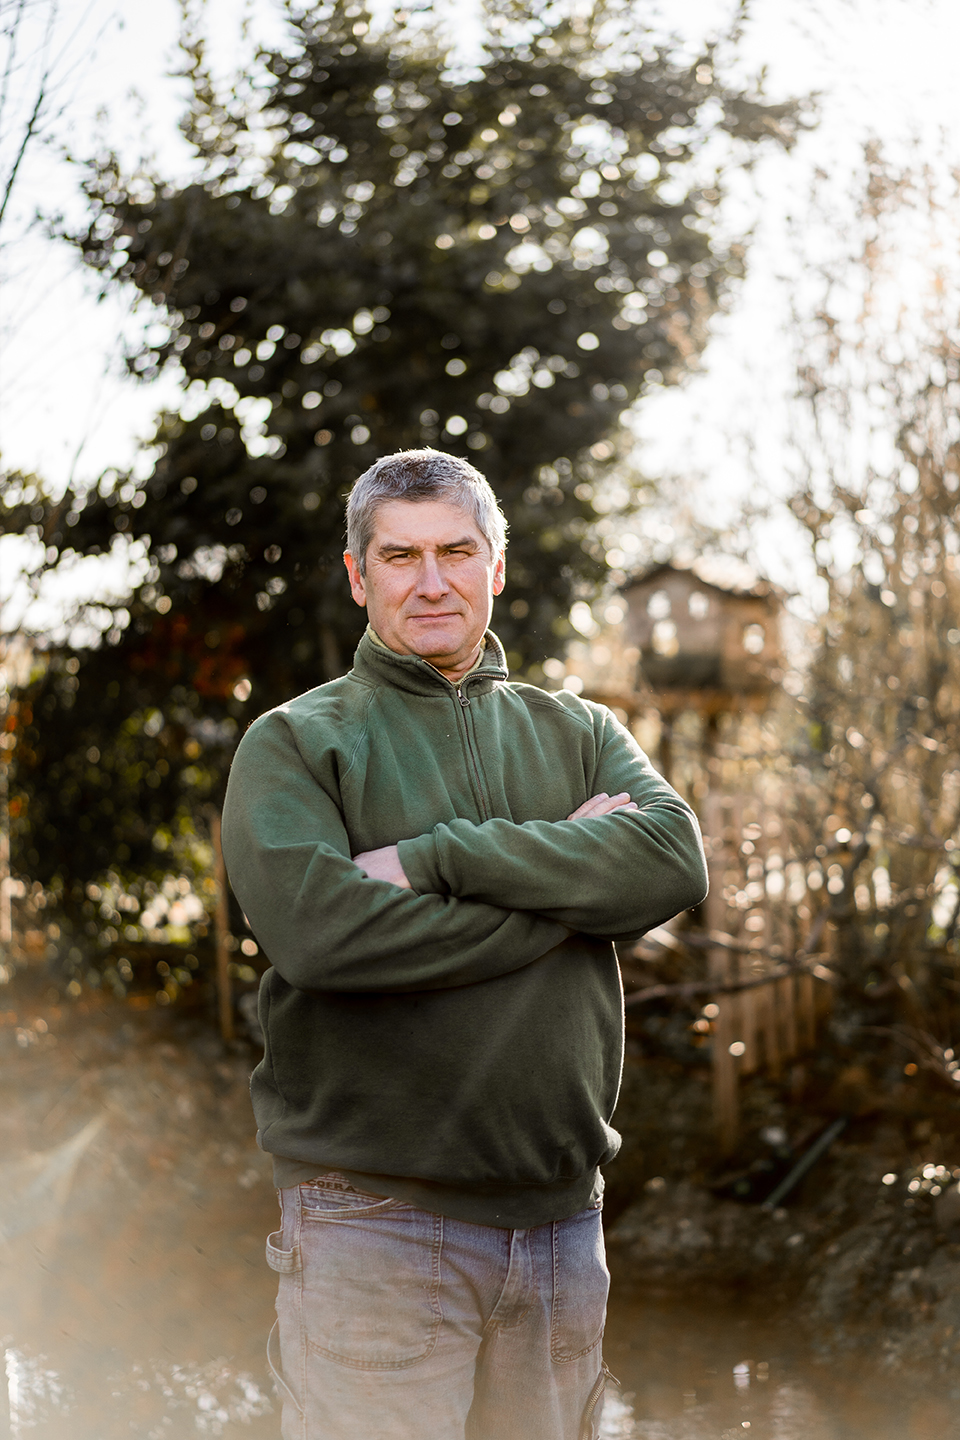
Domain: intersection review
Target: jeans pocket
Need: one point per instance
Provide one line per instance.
(581, 1281)
(371, 1281)
(315, 1199)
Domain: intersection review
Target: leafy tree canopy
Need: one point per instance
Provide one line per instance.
(377, 252)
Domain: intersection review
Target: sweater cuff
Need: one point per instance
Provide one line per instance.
(421, 865)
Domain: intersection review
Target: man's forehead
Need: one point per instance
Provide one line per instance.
(423, 522)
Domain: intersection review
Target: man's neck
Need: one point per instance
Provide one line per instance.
(456, 673)
(460, 672)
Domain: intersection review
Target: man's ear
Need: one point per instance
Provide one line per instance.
(357, 588)
(499, 573)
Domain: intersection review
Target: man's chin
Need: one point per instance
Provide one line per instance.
(435, 641)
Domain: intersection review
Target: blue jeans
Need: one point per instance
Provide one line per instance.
(398, 1324)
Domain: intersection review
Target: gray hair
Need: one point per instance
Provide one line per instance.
(421, 475)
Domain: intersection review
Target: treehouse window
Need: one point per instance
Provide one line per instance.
(754, 639)
(665, 638)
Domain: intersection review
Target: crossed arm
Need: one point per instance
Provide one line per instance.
(625, 860)
(384, 864)
(465, 902)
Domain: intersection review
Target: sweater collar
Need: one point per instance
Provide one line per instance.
(375, 662)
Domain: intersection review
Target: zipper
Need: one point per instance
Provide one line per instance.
(462, 696)
(594, 1399)
(470, 748)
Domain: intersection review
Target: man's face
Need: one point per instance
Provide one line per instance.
(430, 582)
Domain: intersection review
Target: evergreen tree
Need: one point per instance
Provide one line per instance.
(495, 264)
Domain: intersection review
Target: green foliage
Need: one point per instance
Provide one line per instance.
(377, 253)
(87, 796)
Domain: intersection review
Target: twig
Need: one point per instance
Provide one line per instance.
(718, 940)
(693, 988)
(928, 1050)
(819, 1147)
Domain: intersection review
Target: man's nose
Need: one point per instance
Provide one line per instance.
(431, 582)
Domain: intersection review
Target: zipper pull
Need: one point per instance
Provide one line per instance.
(464, 699)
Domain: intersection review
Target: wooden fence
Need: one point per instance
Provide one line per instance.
(760, 897)
(768, 985)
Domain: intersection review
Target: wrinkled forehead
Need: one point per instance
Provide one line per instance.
(424, 524)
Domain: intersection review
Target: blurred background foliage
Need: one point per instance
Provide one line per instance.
(848, 787)
(881, 697)
(374, 253)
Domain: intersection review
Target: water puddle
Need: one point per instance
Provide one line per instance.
(146, 1401)
(680, 1381)
(135, 1301)
(698, 1373)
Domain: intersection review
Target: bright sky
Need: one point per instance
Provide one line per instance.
(886, 67)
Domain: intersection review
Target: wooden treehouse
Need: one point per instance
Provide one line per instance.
(706, 638)
(706, 643)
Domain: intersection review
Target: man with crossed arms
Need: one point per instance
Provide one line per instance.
(436, 862)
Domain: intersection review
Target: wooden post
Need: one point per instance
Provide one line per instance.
(771, 1036)
(665, 749)
(726, 1069)
(750, 1061)
(789, 1012)
(222, 932)
(726, 1062)
(722, 968)
(806, 1011)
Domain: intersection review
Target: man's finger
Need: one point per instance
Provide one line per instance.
(603, 804)
(589, 807)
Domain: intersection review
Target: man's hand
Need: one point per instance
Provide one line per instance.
(603, 804)
(383, 864)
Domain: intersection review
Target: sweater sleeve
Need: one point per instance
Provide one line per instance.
(614, 876)
(326, 926)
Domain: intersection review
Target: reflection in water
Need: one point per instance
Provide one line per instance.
(686, 1389)
(135, 1300)
(787, 1412)
(204, 1399)
(32, 1392)
(699, 1372)
(618, 1420)
(134, 1297)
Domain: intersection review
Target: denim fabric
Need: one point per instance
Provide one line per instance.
(398, 1324)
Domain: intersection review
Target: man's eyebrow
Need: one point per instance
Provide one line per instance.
(391, 547)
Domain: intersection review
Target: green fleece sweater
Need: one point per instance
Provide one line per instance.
(457, 1045)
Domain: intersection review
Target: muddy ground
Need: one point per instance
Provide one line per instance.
(134, 1299)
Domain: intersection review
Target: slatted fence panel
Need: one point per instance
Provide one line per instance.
(769, 1026)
